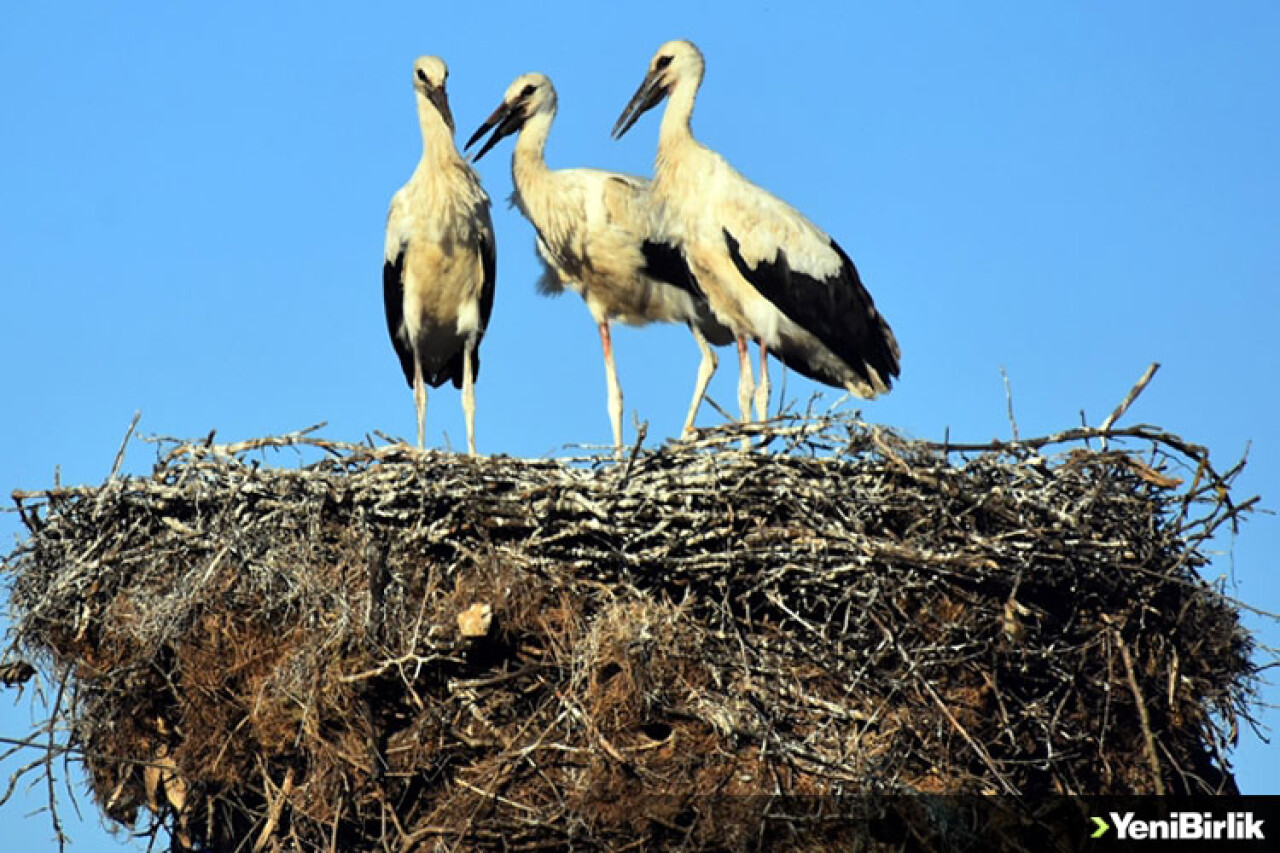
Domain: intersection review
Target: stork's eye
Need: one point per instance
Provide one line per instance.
(422, 75)
(528, 90)
(663, 62)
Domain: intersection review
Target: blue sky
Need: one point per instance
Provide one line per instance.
(194, 201)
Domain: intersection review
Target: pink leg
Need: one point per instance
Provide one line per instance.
(762, 390)
(615, 389)
(420, 402)
(746, 379)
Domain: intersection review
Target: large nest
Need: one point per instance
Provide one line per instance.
(391, 649)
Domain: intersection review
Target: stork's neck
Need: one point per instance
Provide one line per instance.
(532, 142)
(528, 163)
(675, 137)
(437, 136)
(675, 118)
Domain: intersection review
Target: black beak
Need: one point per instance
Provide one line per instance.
(648, 96)
(437, 96)
(508, 121)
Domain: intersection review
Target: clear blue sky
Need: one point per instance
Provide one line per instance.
(194, 200)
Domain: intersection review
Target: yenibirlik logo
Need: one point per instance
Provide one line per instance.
(1182, 826)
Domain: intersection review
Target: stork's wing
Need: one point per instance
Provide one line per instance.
(393, 262)
(489, 265)
(810, 279)
(393, 301)
(629, 204)
(486, 244)
(665, 262)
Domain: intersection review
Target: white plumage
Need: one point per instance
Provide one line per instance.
(439, 262)
(768, 273)
(595, 234)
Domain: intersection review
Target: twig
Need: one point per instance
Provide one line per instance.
(277, 803)
(289, 439)
(50, 752)
(1143, 716)
(1128, 400)
(1008, 401)
(124, 444)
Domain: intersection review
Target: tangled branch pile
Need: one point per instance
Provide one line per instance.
(388, 649)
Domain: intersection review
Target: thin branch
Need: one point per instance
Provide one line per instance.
(1136, 390)
(1144, 717)
(124, 444)
(55, 715)
(1008, 402)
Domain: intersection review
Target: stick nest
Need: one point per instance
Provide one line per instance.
(393, 650)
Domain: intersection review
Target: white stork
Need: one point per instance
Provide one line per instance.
(595, 236)
(768, 272)
(438, 270)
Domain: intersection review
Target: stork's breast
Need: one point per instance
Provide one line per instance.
(442, 286)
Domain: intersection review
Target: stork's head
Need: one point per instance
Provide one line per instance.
(528, 95)
(674, 62)
(429, 76)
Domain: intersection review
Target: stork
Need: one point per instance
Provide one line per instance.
(438, 270)
(768, 273)
(595, 236)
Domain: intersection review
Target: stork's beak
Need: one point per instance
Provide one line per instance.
(507, 121)
(648, 96)
(438, 96)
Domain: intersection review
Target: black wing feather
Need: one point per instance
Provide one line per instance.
(665, 262)
(837, 310)
(489, 260)
(393, 301)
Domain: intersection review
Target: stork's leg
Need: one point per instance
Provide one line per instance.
(706, 368)
(762, 390)
(469, 392)
(420, 403)
(615, 389)
(746, 379)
